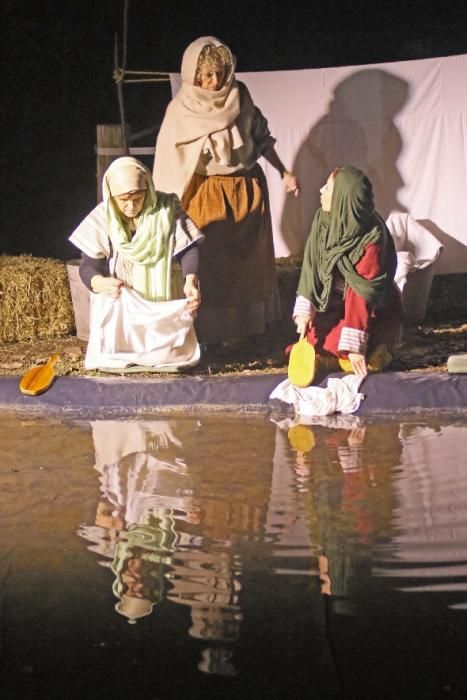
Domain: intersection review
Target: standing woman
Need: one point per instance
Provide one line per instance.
(207, 151)
(128, 245)
(348, 305)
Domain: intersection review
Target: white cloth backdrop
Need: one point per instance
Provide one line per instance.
(404, 123)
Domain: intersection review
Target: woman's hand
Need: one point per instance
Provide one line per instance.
(292, 186)
(356, 436)
(289, 179)
(192, 292)
(358, 363)
(302, 323)
(111, 286)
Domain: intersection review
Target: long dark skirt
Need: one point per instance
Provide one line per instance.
(239, 294)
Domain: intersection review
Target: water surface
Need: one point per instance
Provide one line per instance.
(233, 557)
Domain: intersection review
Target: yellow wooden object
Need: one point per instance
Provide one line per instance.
(301, 438)
(38, 379)
(345, 365)
(302, 363)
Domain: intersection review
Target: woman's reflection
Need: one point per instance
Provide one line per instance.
(146, 496)
(168, 534)
(141, 557)
(347, 496)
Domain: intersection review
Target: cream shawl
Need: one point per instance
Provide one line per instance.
(219, 122)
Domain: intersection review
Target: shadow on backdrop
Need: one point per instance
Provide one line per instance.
(358, 129)
(454, 249)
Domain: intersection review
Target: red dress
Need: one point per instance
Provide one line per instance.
(351, 324)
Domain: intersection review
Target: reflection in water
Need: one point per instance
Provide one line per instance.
(140, 555)
(428, 552)
(146, 527)
(388, 503)
(343, 502)
(209, 582)
(251, 559)
(347, 498)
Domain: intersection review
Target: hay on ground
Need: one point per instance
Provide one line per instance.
(35, 299)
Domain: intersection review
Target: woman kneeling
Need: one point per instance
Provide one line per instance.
(348, 305)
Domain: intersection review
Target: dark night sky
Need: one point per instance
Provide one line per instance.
(57, 60)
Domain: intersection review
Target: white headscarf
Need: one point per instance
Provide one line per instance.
(128, 175)
(196, 116)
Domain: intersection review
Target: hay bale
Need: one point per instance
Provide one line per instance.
(35, 299)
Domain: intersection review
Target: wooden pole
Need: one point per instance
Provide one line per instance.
(119, 76)
(110, 144)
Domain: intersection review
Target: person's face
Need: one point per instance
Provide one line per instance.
(326, 193)
(212, 77)
(131, 203)
(133, 578)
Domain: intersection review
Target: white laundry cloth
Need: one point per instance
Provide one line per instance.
(336, 421)
(130, 330)
(416, 247)
(341, 395)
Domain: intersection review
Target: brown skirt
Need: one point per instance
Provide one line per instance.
(237, 269)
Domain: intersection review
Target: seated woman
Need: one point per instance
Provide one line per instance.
(348, 305)
(128, 244)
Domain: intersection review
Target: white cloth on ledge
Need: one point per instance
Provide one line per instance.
(130, 330)
(342, 395)
(416, 247)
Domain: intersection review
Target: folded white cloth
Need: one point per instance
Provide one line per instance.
(405, 265)
(130, 330)
(341, 395)
(416, 247)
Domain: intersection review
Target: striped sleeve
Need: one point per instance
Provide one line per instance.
(353, 340)
(91, 235)
(186, 231)
(303, 307)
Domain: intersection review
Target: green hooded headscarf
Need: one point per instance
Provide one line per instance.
(338, 239)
